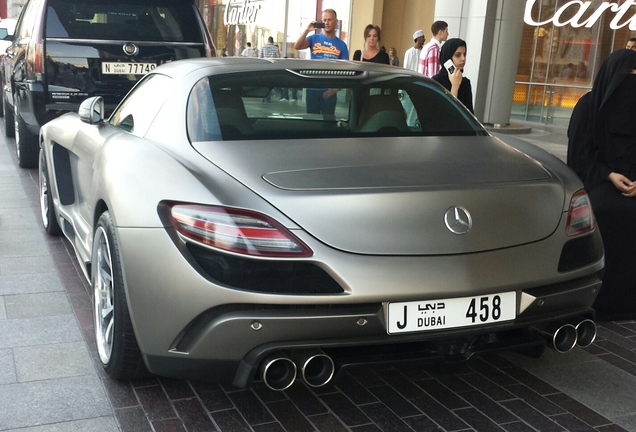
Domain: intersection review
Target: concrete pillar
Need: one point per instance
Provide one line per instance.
(492, 30)
(506, 46)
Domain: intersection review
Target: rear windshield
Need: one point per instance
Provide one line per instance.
(287, 105)
(135, 20)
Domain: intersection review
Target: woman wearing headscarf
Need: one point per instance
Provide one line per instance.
(605, 120)
(459, 86)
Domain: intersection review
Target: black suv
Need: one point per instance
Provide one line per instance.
(65, 51)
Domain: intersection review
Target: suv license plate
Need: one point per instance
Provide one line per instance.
(450, 313)
(127, 68)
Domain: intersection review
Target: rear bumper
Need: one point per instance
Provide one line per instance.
(191, 327)
(357, 335)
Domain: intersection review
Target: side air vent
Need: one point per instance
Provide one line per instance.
(62, 166)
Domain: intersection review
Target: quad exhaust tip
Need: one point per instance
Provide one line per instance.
(316, 367)
(279, 370)
(564, 336)
(586, 333)
(561, 337)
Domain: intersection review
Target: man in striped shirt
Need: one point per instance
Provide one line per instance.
(429, 56)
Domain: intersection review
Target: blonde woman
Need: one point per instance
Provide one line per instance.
(393, 58)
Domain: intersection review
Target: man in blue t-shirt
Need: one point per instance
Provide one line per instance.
(324, 45)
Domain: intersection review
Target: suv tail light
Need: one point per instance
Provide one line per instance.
(235, 230)
(580, 216)
(38, 48)
(37, 62)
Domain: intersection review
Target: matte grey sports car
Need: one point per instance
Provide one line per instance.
(230, 235)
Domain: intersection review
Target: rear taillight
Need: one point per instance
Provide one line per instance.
(235, 230)
(580, 217)
(38, 51)
(37, 62)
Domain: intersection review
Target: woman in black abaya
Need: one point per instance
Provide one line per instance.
(608, 169)
(455, 49)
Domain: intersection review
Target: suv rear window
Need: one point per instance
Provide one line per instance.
(133, 20)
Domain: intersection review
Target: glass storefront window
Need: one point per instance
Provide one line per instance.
(234, 23)
(558, 63)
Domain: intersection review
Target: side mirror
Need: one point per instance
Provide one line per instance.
(91, 111)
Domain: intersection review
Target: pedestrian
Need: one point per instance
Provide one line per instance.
(631, 44)
(568, 71)
(323, 45)
(429, 63)
(269, 50)
(248, 51)
(459, 86)
(412, 55)
(604, 121)
(393, 58)
(372, 52)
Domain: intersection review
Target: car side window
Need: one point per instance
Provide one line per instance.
(140, 107)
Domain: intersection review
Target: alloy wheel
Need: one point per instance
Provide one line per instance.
(103, 296)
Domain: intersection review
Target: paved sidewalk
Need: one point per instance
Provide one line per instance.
(47, 376)
(50, 380)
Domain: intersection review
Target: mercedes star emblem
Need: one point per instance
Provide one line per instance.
(458, 220)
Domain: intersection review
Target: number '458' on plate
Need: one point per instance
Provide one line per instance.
(449, 313)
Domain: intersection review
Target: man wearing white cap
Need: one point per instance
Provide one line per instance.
(412, 55)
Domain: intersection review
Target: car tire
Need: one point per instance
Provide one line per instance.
(26, 144)
(47, 211)
(117, 345)
(9, 126)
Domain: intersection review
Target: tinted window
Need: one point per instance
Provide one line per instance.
(137, 111)
(136, 20)
(248, 106)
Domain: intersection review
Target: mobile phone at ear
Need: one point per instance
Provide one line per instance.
(450, 66)
(319, 25)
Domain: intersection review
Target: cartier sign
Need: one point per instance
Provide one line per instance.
(241, 12)
(582, 16)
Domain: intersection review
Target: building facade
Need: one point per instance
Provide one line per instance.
(563, 45)
(234, 23)
(527, 60)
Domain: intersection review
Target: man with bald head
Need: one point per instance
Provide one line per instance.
(323, 45)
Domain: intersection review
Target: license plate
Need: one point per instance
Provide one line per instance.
(127, 68)
(450, 313)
